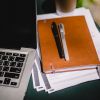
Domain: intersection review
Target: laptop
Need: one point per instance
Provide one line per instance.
(17, 47)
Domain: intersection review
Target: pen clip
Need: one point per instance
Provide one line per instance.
(61, 29)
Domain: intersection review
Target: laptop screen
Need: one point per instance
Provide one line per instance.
(18, 24)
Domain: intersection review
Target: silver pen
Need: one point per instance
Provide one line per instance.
(62, 32)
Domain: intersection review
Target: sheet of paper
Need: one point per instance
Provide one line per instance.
(36, 79)
(43, 78)
(38, 82)
(71, 79)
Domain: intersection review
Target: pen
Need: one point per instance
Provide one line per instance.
(57, 39)
(62, 32)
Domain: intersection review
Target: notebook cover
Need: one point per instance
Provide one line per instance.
(81, 49)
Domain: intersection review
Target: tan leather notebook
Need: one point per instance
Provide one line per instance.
(81, 50)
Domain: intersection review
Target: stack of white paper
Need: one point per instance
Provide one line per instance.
(57, 81)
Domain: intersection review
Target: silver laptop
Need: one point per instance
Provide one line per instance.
(17, 47)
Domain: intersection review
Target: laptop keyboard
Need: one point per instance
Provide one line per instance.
(12, 65)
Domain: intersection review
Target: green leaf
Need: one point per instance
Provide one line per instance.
(79, 3)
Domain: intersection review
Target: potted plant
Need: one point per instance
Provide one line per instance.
(94, 6)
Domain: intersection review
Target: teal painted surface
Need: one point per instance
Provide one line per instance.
(84, 91)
